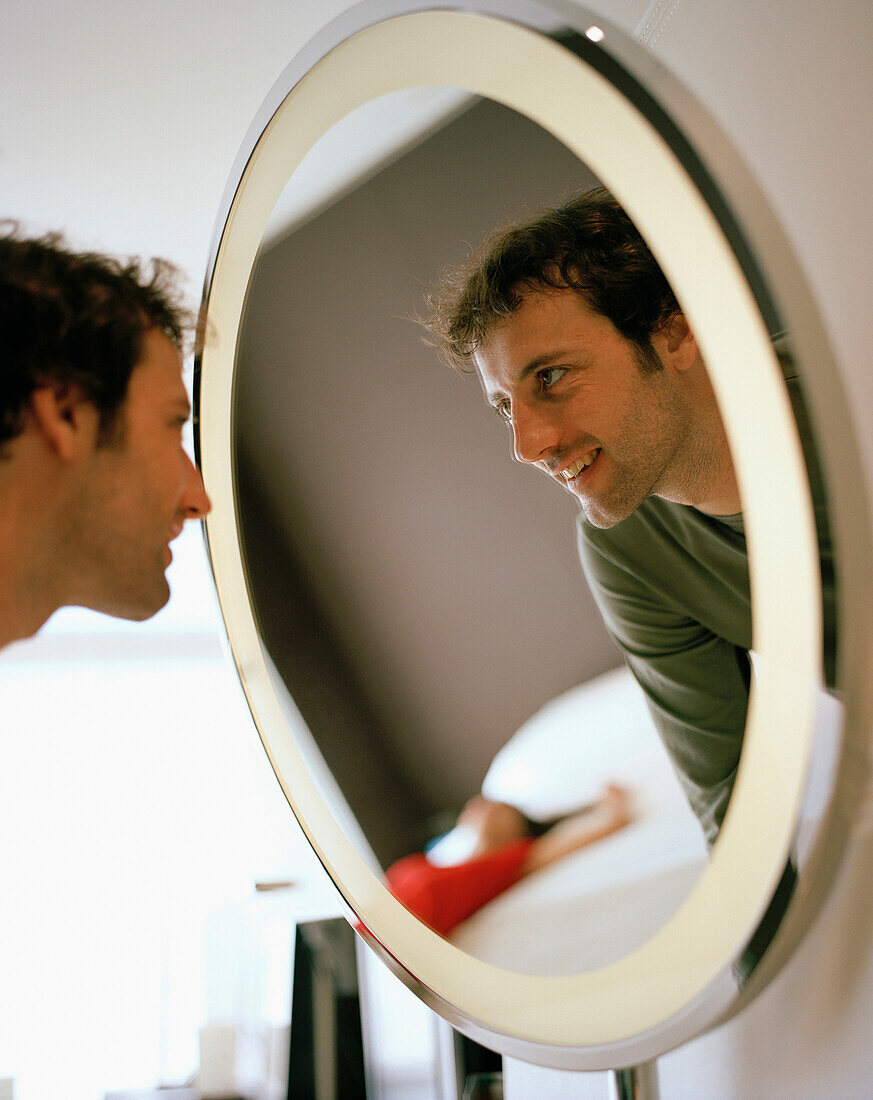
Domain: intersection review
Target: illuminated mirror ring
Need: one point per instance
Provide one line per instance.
(680, 981)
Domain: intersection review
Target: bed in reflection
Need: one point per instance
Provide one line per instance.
(603, 901)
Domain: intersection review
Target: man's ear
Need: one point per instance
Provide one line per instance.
(64, 418)
(681, 345)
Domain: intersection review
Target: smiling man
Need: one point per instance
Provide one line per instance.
(583, 350)
(94, 480)
(612, 421)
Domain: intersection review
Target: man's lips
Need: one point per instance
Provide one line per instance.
(573, 469)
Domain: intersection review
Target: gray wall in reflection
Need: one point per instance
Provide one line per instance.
(419, 591)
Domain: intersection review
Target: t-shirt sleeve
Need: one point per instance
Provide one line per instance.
(695, 682)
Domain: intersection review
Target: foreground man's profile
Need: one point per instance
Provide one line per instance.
(94, 480)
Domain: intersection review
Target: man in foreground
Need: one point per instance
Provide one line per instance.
(582, 348)
(94, 480)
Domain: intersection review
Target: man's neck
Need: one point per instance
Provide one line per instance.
(703, 477)
(26, 603)
(19, 619)
(28, 588)
(724, 500)
(708, 480)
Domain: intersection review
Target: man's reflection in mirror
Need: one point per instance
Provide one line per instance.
(583, 350)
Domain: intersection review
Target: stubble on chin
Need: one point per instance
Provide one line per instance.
(597, 517)
(610, 512)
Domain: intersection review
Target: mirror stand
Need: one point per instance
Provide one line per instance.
(636, 1082)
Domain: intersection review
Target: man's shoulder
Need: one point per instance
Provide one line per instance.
(657, 521)
(662, 541)
(654, 520)
(615, 559)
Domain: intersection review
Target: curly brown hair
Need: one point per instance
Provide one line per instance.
(588, 244)
(77, 318)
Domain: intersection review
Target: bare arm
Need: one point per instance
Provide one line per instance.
(609, 813)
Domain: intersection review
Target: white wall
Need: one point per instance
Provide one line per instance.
(121, 122)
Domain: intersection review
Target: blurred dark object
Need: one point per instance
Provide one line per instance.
(484, 1086)
(327, 1051)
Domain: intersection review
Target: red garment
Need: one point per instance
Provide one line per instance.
(444, 896)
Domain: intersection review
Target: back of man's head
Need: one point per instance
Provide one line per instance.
(588, 244)
(76, 319)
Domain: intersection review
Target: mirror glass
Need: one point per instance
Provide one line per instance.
(420, 594)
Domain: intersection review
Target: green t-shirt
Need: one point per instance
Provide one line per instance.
(672, 585)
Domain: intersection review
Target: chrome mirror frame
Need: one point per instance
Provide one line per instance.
(693, 188)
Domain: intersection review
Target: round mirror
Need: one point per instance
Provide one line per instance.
(343, 413)
(352, 477)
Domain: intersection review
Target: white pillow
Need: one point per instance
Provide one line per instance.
(562, 757)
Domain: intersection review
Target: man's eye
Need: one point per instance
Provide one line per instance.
(550, 376)
(503, 410)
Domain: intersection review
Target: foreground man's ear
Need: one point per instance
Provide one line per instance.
(64, 418)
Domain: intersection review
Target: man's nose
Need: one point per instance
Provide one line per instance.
(195, 501)
(534, 435)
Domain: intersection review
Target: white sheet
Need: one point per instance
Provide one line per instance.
(601, 902)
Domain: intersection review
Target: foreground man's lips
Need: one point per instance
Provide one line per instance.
(576, 468)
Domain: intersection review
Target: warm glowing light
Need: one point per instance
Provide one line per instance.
(595, 34)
